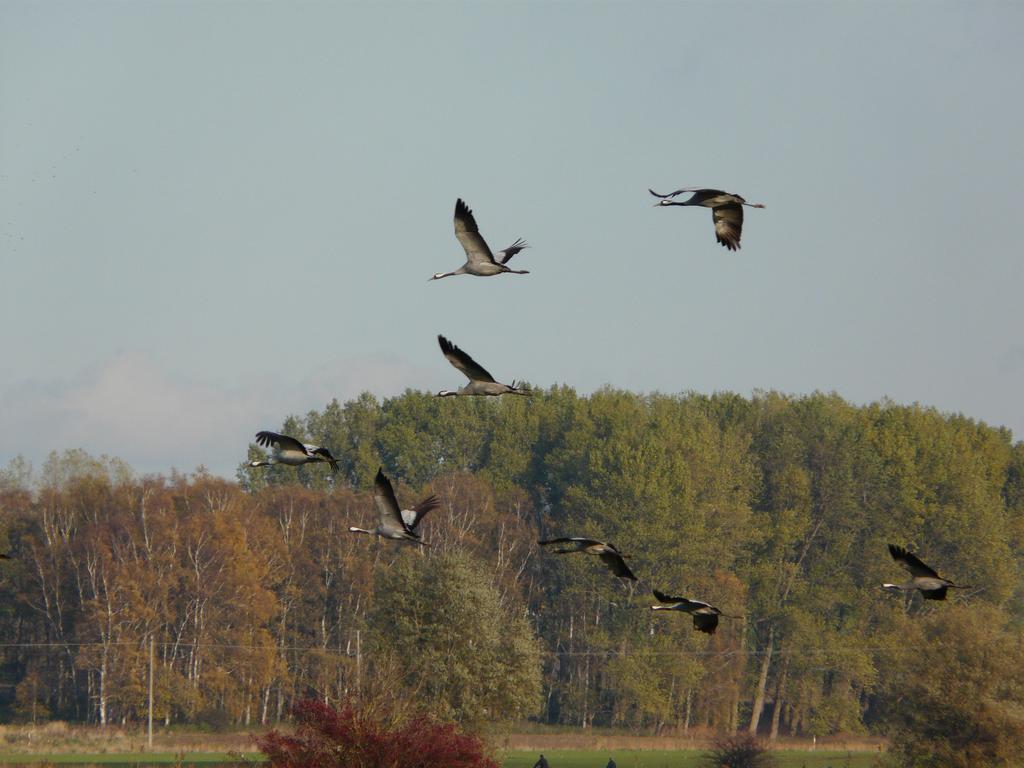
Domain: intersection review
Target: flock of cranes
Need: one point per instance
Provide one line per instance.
(397, 524)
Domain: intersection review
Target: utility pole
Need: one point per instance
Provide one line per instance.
(359, 665)
(151, 692)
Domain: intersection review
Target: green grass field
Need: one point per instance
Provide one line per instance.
(680, 759)
(558, 758)
(126, 758)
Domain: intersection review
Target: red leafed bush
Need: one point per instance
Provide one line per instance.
(348, 737)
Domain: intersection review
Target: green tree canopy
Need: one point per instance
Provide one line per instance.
(463, 650)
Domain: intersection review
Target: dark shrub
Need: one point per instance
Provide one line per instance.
(739, 751)
(342, 738)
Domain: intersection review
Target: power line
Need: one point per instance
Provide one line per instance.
(792, 653)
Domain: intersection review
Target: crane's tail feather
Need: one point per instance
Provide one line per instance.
(516, 388)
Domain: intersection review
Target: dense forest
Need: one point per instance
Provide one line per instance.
(778, 509)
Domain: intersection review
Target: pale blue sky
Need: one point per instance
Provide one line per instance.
(213, 215)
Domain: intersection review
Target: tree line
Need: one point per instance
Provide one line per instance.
(778, 509)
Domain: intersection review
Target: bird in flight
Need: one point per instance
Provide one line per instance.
(393, 521)
(705, 615)
(922, 577)
(480, 381)
(288, 450)
(609, 553)
(479, 259)
(726, 211)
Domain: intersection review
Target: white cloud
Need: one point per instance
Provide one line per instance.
(132, 408)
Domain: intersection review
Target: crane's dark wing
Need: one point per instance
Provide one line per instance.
(473, 370)
(912, 563)
(420, 510)
(513, 249)
(327, 455)
(661, 597)
(468, 235)
(684, 603)
(705, 622)
(728, 225)
(571, 540)
(673, 194)
(934, 594)
(284, 442)
(617, 565)
(387, 505)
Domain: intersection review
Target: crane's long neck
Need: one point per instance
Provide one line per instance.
(261, 463)
(360, 530)
(907, 587)
(460, 271)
